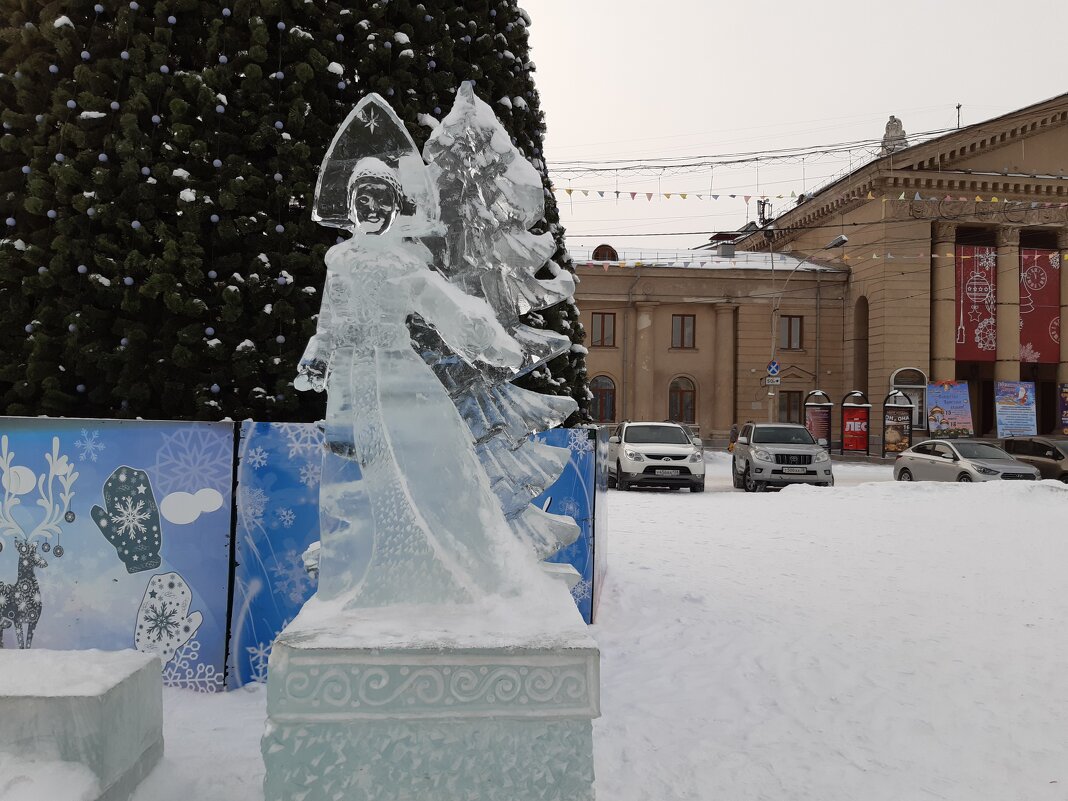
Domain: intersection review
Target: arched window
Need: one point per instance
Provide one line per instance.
(913, 383)
(603, 407)
(605, 253)
(682, 401)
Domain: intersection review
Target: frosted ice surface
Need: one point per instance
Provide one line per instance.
(427, 484)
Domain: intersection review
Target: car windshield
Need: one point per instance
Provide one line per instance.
(664, 435)
(980, 450)
(782, 435)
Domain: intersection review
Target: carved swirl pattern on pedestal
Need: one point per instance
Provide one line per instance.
(364, 690)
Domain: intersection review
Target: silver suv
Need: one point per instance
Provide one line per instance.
(655, 455)
(777, 454)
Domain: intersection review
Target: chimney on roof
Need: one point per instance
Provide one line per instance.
(725, 250)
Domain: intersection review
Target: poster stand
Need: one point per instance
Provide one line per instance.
(856, 423)
(897, 422)
(818, 417)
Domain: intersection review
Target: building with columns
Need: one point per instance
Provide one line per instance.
(951, 272)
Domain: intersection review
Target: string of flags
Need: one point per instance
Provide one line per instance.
(628, 195)
(741, 262)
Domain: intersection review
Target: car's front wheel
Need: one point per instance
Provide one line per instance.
(964, 478)
(621, 483)
(749, 484)
(904, 475)
(697, 487)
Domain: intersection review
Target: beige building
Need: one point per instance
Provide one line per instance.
(951, 272)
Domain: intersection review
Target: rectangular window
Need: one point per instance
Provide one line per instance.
(682, 327)
(791, 333)
(789, 407)
(604, 330)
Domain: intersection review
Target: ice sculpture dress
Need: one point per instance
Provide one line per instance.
(436, 527)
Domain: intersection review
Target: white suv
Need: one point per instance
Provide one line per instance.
(655, 455)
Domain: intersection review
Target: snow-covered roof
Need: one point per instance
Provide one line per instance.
(700, 260)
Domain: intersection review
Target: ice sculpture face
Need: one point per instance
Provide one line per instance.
(414, 512)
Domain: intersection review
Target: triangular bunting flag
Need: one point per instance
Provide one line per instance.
(779, 197)
(586, 192)
(682, 195)
(875, 255)
(947, 197)
(978, 199)
(732, 197)
(667, 196)
(917, 197)
(716, 197)
(870, 196)
(793, 194)
(889, 256)
(617, 194)
(700, 197)
(993, 200)
(901, 196)
(633, 195)
(748, 198)
(601, 194)
(648, 195)
(569, 191)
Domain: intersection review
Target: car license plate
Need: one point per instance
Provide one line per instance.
(667, 472)
(794, 470)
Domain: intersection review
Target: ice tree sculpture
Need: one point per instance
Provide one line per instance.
(420, 504)
(490, 197)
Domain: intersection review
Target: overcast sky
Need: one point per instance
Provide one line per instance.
(630, 79)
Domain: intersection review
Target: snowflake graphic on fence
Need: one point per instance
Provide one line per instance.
(187, 672)
(257, 457)
(89, 446)
(291, 579)
(130, 516)
(578, 440)
(286, 517)
(162, 620)
(311, 474)
(582, 590)
(258, 656)
(252, 501)
(305, 440)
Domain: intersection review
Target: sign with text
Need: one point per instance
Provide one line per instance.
(818, 422)
(897, 429)
(855, 420)
(949, 410)
(1014, 406)
(1064, 408)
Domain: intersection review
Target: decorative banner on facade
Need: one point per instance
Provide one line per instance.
(949, 409)
(855, 419)
(1014, 406)
(118, 533)
(1040, 313)
(1064, 408)
(976, 298)
(818, 422)
(897, 429)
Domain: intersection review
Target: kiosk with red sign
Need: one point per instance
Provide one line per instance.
(856, 422)
(818, 417)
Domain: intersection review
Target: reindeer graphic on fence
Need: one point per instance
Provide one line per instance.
(20, 602)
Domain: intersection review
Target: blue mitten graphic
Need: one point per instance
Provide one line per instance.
(130, 519)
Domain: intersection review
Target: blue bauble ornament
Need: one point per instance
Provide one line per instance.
(71, 104)
(82, 269)
(114, 105)
(279, 228)
(10, 222)
(53, 68)
(80, 388)
(146, 171)
(209, 331)
(155, 119)
(136, 225)
(51, 213)
(124, 55)
(102, 157)
(171, 20)
(164, 69)
(279, 339)
(226, 12)
(216, 163)
(85, 55)
(219, 109)
(223, 59)
(26, 170)
(214, 218)
(215, 389)
(212, 275)
(279, 125)
(340, 37)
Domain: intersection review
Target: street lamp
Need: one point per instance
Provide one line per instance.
(837, 242)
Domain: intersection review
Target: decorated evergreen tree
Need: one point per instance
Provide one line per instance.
(157, 165)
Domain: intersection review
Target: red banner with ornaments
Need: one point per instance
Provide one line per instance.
(976, 303)
(1040, 313)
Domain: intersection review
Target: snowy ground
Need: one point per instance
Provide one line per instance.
(871, 641)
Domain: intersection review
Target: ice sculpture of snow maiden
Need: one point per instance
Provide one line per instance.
(436, 660)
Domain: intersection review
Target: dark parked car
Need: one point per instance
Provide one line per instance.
(1048, 454)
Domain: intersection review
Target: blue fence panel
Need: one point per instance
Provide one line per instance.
(278, 472)
(574, 494)
(118, 534)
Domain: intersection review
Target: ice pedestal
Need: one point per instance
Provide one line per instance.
(82, 725)
(487, 704)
